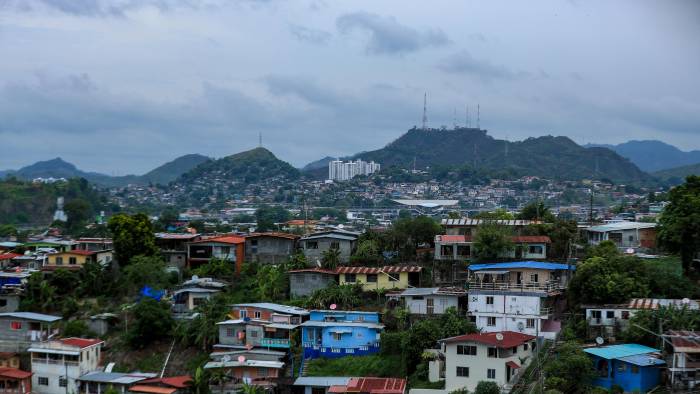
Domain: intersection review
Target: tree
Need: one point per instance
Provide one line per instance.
(492, 241)
(330, 258)
(646, 321)
(202, 330)
(199, 384)
(536, 210)
(7, 230)
(132, 235)
(487, 387)
(571, 371)
(216, 268)
(367, 252)
(78, 211)
(679, 225)
(94, 280)
(406, 234)
(151, 321)
(267, 216)
(344, 296)
(146, 271)
(614, 280)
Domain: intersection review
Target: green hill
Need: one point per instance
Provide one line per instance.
(247, 167)
(548, 156)
(677, 175)
(170, 171)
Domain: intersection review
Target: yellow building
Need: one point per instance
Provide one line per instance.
(388, 277)
(76, 259)
(9, 360)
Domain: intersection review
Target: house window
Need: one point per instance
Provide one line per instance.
(491, 373)
(43, 381)
(467, 350)
(59, 260)
(625, 315)
(525, 346)
(242, 313)
(463, 372)
(230, 332)
(16, 325)
(472, 319)
(621, 367)
(350, 278)
(253, 334)
(310, 335)
(72, 261)
(371, 278)
(491, 321)
(493, 352)
(262, 372)
(62, 382)
(535, 249)
(257, 314)
(335, 245)
(530, 323)
(417, 297)
(534, 278)
(489, 300)
(311, 245)
(337, 336)
(394, 278)
(610, 314)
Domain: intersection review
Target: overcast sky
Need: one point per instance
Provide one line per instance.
(122, 86)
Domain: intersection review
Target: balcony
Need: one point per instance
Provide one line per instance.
(534, 287)
(601, 321)
(275, 342)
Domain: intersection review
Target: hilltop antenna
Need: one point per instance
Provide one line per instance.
(478, 117)
(466, 117)
(259, 139)
(425, 110)
(454, 118)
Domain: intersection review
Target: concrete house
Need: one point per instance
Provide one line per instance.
(164, 385)
(15, 381)
(260, 325)
(173, 247)
(517, 296)
(20, 330)
(495, 356)
(97, 382)
(229, 248)
(305, 282)
(683, 361)
(314, 245)
(635, 368)
(319, 384)
(387, 277)
(371, 386)
(335, 334)
(76, 259)
(433, 300)
(635, 235)
(94, 244)
(193, 293)
(253, 367)
(470, 226)
(270, 248)
(461, 247)
(57, 365)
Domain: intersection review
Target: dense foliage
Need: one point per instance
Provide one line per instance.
(132, 236)
(679, 226)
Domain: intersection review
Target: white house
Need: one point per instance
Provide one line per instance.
(432, 300)
(624, 234)
(57, 365)
(683, 349)
(494, 356)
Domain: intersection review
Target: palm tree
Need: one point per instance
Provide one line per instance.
(219, 376)
(199, 384)
(252, 389)
(331, 258)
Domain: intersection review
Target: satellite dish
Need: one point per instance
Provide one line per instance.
(226, 358)
(333, 307)
(340, 226)
(195, 277)
(241, 359)
(499, 336)
(521, 326)
(685, 301)
(629, 251)
(599, 340)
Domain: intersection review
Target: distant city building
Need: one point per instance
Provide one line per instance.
(343, 171)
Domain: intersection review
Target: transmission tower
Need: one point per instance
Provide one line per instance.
(425, 110)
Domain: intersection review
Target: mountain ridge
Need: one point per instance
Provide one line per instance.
(653, 155)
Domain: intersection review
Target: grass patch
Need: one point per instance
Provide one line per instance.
(375, 365)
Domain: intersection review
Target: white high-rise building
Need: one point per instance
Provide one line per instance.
(343, 171)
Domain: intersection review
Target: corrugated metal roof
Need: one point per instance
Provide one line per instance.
(292, 310)
(116, 377)
(619, 351)
(315, 323)
(656, 303)
(389, 269)
(620, 226)
(321, 381)
(642, 360)
(521, 264)
(477, 222)
(31, 316)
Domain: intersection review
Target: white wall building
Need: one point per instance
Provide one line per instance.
(56, 365)
(431, 300)
(496, 356)
(343, 171)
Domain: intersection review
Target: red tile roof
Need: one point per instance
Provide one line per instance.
(179, 382)
(79, 252)
(9, 256)
(274, 234)
(513, 364)
(142, 388)
(300, 222)
(318, 270)
(389, 269)
(14, 373)
(224, 239)
(376, 385)
(510, 339)
(80, 342)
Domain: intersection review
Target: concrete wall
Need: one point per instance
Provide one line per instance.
(324, 244)
(418, 305)
(384, 281)
(269, 250)
(305, 283)
(9, 303)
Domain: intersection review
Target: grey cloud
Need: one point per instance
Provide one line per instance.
(388, 36)
(464, 63)
(314, 36)
(302, 87)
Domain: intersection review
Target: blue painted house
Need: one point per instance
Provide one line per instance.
(630, 366)
(340, 333)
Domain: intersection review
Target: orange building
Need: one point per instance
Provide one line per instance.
(229, 248)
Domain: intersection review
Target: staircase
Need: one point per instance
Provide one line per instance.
(304, 366)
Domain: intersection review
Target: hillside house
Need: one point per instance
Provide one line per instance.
(98, 382)
(9, 360)
(173, 247)
(193, 293)
(683, 361)
(94, 244)
(633, 367)
(20, 330)
(305, 282)
(165, 385)
(387, 277)
(335, 334)
(494, 356)
(76, 259)
(461, 247)
(470, 226)
(263, 325)
(433, 300)
(270, 248)
(229, 248)
(58, 364)
(517, 296)
(371, 386)
(625, 235)
(15, 381)
(259, 368)
(314, 245)
(319, 384)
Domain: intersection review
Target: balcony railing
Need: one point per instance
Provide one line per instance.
(54, 362)
(544, 287)
(601, 321)
(275, 342)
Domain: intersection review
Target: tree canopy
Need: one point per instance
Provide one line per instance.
(132, 235)
(679, 225)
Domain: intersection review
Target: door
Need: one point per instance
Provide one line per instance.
(430, 306)
(519, 278)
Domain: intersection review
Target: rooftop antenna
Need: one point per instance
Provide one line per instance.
(478, 117)
(425, 110)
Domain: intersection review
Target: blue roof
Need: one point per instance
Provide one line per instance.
(620, 351)
(522, 264)
(643, 360)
